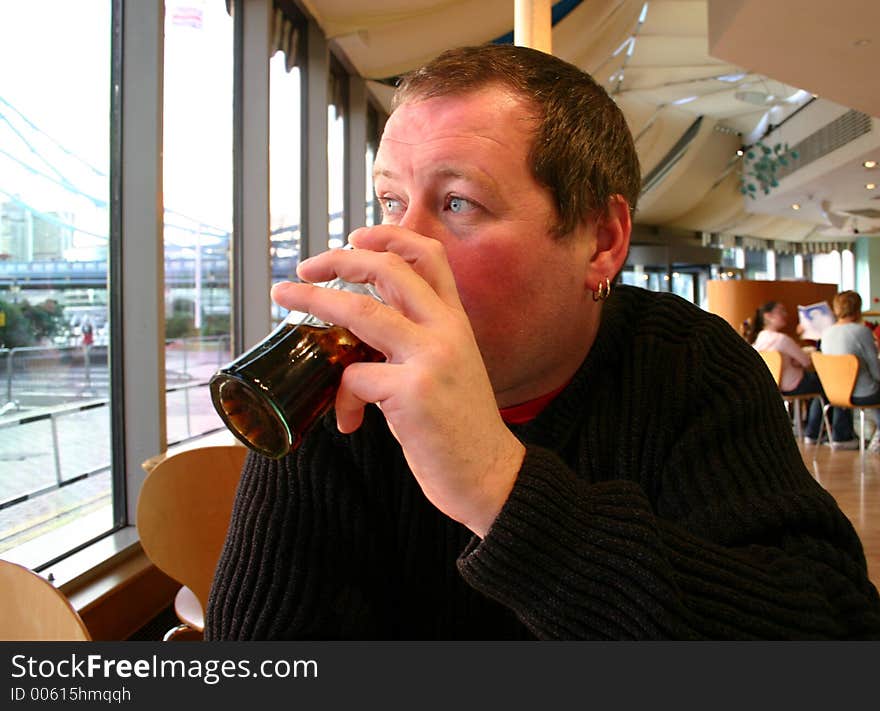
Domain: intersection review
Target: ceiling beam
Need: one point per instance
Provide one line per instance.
(532, 24)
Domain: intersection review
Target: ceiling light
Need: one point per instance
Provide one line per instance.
(739, 151)
(870, 186)
(795, 206)
(623, 45)
(757, 98)
(870, 164)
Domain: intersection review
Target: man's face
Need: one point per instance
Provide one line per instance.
(455, 169)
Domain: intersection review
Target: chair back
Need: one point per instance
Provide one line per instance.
(35, 610)
(183, 512)
(838, 374)
(773, 359)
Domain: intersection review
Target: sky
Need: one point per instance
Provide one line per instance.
(58, 100)
(56, 74)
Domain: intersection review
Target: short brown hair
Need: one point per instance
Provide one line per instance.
(848, 304)
(583, 150)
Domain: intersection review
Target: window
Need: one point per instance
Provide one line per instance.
(847, 270)
(827, 268)
(55, 476)
(69, 471)
(786, 265)
(198, 209)
(374, 133)
(336, 178)
(756, 264)
(285, 212)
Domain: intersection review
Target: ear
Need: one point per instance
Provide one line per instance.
(613, 228)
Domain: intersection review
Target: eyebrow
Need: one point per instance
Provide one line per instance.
(443, 171)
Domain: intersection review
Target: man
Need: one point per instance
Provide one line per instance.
(535, 458)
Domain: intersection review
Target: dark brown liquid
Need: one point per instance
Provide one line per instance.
(271, 395)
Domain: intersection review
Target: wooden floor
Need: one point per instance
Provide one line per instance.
(857, 493)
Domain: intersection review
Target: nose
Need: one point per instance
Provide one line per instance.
(420, 218)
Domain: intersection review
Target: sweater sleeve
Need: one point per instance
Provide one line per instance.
(724, 535)
(868, 353)
(294, 565)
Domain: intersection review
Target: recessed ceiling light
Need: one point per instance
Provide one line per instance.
(757, 98)
(795, 206)
(870, 164)
(870, 186)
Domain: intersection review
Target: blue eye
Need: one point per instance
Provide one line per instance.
(459, 204)
(389, 205)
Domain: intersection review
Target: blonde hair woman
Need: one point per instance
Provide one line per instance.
(850, 335)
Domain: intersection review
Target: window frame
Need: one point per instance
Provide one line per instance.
(137, 358)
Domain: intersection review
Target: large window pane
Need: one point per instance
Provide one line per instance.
(55, 483)
(284, 171)
(198, 209)
(371, 205)
(336, 112)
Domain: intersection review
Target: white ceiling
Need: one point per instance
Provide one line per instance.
(721, 60)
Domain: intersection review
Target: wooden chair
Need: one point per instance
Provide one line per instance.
(183, 512)
(35, 610)
(838, 374)
(773, 359)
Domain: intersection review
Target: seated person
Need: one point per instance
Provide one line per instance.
(545, 453)
(767, 334)
(850, 335)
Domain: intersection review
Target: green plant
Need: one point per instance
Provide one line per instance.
(27, 324)
(180, 325)
(760, 164)
(215, 325)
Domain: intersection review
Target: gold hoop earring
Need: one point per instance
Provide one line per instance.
(602, 290)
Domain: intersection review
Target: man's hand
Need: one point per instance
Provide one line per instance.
(433, 389)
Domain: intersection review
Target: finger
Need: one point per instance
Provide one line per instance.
(425, 255)
(376, 324)
(399, 285)
(362, 384)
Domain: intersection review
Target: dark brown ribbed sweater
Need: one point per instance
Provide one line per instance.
(662, 496)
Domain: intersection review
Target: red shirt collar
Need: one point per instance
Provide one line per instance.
(527, 411)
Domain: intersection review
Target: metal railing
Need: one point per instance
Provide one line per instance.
(46, 387)
(52, 416)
